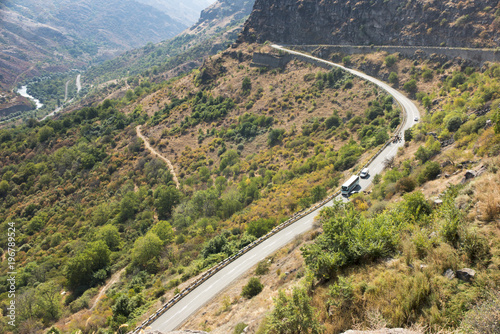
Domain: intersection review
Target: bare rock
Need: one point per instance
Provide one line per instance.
(466, 274)
(449, 274)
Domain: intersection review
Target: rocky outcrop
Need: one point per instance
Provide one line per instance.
(222, 9)
(379, 22)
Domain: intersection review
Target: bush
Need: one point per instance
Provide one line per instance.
(427, 75)
(240, 327)
(349, 238)
(411, 86)
(454, 123)
(406, 185)
(262, 268)
(430, 171)
(252, 289)
(393, 78)
(390, 60)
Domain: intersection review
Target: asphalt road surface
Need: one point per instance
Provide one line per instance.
(201, 295)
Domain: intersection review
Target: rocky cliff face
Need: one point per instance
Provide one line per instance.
(380, 22)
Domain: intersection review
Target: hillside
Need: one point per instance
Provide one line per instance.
(187, 12)
(380, 22)
(104, 235)
(237, 136)
(217, 27)
(401, 282)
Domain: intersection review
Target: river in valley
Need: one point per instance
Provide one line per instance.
(23, 91)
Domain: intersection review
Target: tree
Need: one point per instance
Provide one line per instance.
(45, 133)
(259, 227)
(80, 269)
(216, 245)
(128, 206)
(454, 123)
(411, 86)
(318, 193)
(4, 188)
(48, 302)
(408, 135)
(165, 199)
(393, 78)
(164, 231)
(390, 60)
(275, 136)
(110, 235)
(146, 251)
(246, 86)
(252, 289)
(294, 314)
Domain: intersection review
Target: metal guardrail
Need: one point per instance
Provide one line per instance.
(212, 271)
(215, 269)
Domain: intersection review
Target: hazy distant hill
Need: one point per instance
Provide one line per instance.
(187, 11)
(218, 26)
(65, 33)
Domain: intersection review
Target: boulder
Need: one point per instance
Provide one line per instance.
(449, 274)
(466, 274)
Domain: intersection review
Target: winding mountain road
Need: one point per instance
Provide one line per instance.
(199, 296)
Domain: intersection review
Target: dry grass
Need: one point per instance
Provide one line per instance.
(488, 197)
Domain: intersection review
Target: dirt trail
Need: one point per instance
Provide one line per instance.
(103, 290)
(156, 153)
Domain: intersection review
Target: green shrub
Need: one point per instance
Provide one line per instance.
(346, 60)
(430, 171)
(393, 78)
(390, 60)
(411, 86)
(349, 238)
(240, 327)
(262, 268)
(454, 123)
(252, 289)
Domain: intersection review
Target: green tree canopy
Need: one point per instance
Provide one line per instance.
(165, 199)
(146, 251)
(164, 231)
(110, 235)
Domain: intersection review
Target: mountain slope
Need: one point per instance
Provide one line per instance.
(218, 26)
(63, 34)
(187, 11)
(379, 22)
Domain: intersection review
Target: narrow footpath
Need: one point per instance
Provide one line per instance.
(156, 153)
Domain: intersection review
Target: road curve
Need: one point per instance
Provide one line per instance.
(199, 296)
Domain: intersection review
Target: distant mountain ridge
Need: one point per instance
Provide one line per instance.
(66, 34)
(379, 22)
(187, 11)
(218, 26)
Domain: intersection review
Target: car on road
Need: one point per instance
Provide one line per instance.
(364, 173)
(416, 119)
